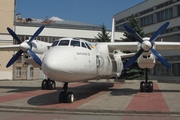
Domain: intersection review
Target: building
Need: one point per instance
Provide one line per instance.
(7, 19)
(152, 14)
(55, 28)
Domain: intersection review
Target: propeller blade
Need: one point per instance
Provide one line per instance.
(13, 34)
(159, 31)
(133, 59)
(133, 33)
(14, 58)
(36, 33)
(34, 57)
(160, 58)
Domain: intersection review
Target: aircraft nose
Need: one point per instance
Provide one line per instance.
(57, 63)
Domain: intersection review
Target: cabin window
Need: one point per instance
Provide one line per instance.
(64, 43)
(75, 43)
(55, 43)
(83, 45)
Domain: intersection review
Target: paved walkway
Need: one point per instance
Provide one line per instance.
(93, 97)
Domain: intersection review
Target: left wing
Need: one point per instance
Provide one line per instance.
(167, 45)
(165, 48)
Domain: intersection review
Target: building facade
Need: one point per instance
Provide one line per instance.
(152, 14)
(7, 20)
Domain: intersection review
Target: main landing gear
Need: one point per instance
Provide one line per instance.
(146, 86)
(66, 97)
(48, 84)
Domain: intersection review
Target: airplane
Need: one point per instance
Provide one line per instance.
(73, 60)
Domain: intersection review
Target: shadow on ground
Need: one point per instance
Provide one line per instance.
(81, 92)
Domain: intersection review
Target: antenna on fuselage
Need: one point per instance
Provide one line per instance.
(113, 29)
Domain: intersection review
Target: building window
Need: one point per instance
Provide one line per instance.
(31, 72)
(18, 71)
(178, 10)
(165, 14)
(147, 20)
(163, 70)
(19, 60)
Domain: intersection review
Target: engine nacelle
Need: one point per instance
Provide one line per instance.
(146, 60)
(39, 47)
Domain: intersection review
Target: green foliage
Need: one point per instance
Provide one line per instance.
(134, 24)
(133, 72)
(103, 36)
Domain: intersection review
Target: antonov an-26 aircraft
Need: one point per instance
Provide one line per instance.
(73, 60)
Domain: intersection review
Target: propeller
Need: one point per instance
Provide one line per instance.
(146, 45)
(24, 46)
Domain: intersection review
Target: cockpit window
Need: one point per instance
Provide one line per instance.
(88, 46)
(83, 45)
(55, 43)
(75, 43)
(64, 43)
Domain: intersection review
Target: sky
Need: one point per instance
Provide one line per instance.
(96, 12)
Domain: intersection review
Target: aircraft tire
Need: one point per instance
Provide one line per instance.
(62, 97)
(44, 84)
(150, 86)
(70, 97)
(51, 84)
(142, 86)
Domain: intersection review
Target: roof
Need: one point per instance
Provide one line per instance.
(55, 22)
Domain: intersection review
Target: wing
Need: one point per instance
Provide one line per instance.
(10, 48)
(164, 48)
(108, 48)
(123, 46)
(167, 45)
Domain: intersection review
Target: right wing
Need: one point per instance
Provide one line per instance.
(10, 48)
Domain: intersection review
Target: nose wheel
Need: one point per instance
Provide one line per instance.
(48, 84)
(64, 96)
(146, 86)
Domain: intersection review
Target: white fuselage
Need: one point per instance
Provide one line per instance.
(72, 63)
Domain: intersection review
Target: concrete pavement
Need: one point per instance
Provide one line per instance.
(93, 97)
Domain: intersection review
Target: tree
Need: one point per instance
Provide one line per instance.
(134, 24)
(133, 72)
(103, 36)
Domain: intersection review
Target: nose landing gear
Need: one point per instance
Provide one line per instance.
(66, 97)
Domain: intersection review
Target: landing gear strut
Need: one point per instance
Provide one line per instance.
(48, 84)
(146, 86)
(64, 96)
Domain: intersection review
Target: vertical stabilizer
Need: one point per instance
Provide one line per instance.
(113, 30)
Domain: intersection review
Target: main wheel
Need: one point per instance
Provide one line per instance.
(70, 97)
(51, 84)
(142, 86)
(62, 97)
(150, 86)
(44, 84)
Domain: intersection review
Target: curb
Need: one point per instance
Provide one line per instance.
(80, 111)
